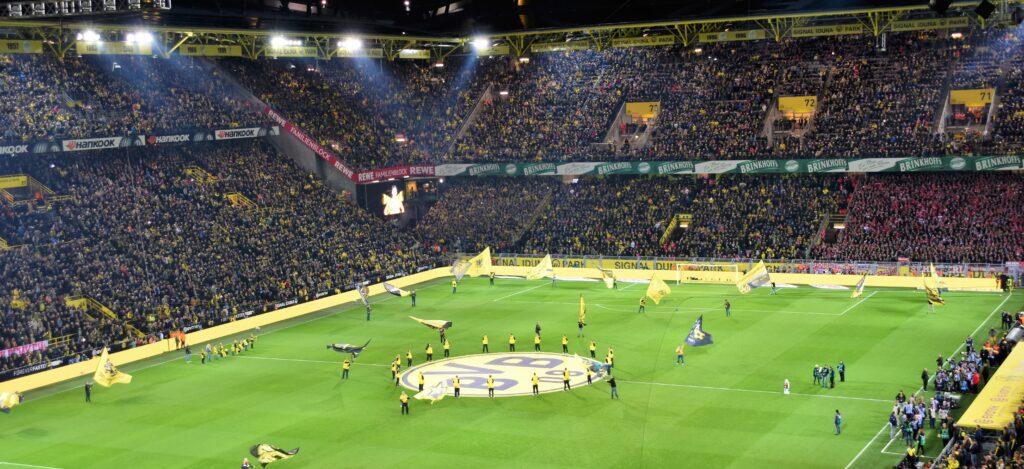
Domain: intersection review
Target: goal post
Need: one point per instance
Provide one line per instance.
(708, 273)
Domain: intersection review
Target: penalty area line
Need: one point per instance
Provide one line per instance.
(519, 292)
(885, 426)
(850, 308)
(757, 391)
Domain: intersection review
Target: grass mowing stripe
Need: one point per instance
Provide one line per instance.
(985, 321)
(302, 360)
(6, 463)
(283, 326)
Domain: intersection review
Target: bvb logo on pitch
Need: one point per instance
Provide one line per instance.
(512, 373)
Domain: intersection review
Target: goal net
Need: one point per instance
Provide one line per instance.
(706, 273)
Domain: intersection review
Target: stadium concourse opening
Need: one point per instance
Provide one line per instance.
(642, 235)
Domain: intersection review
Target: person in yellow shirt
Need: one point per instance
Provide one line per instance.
(455, 384)
(345, 365)
(511, 342)
(611, 356)
(447, 348)
(590, 375)
(565, 379)
(422, 381)
(404, 399)
(394, 370)
(454, 285)
(430, 352)
(536, 384)
(593, 349)
(608, 363)
(565, 344)
(643, 305)
(680, 355)
(483, 343)
(536, 343)
(490, 386)
(408, 358)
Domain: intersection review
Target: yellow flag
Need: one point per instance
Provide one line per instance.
(8, 400)
(756, 277)
(542, 270)
(107, 374)
(657, 290)
(609, 278)
(583, 310)
(859, 289)
(480, 264)
(932, 293)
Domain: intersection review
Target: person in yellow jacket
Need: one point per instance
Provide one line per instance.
(455, 384)
(447, 348)
(536, 343)
(593, 349)
(511, 342)
(590, 376)
(565, 344)
(345, 366)
(536, 384)
(454, 286)
(681, 354)
(430, 352)
(483, 344)
(422, 381)
(643, 305)
(404, 399)
(408, 358)
(490, 386)
(565, 380)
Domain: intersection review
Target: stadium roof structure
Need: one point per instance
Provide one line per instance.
(255, 36)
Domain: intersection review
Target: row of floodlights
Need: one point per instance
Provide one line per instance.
(136, 37)
(350, 43)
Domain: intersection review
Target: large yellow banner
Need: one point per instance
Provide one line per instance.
(972, 98)
(798, 104)
(645, 109)
(112, 48)
(997, 403)
(210, 50)
(10, 182)
(17, 46)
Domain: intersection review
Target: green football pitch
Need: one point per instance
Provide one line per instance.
(724, 408)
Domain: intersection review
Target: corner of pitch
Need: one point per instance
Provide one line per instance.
(512, 373)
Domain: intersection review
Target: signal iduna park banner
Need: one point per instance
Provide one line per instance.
(825, 165)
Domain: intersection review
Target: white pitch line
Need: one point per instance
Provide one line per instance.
(758, 391)
(302, 360)
(8, 463)
(983, 322)
(520, 292)
(866, 298)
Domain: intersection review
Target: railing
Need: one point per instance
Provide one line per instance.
(820, 266)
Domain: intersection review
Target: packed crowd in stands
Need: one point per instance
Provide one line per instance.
(763, 217)
(475, 213)
(372, 113)
(42, 97)
(556, 107)
(611, 216)
(943, 218)
(164, 247)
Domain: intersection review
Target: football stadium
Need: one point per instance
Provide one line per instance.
(511, 233)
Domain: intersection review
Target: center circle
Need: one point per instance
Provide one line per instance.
(512, 373)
